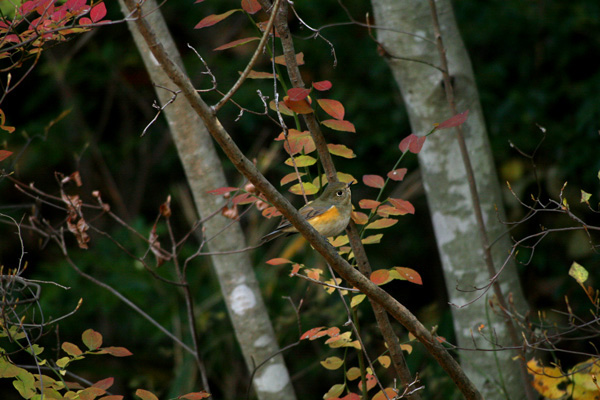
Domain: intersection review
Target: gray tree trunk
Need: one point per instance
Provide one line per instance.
(494, 373)
(203, 170)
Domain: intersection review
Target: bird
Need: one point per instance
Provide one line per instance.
(329, 214)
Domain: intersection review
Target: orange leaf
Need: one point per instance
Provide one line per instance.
(104, 383)
(295, 269)
(322, 85)
(368, 204)
(71, 349)
(299, 107)
(299, 59)
(391, 393)
(213, 19)
(259, 75)
(359, 218)
(278, 261)
(236, 43)
(291, 177)
(380, 277)
(386, 211)
(251, 6)
(340, 150)
(404, 206)
(374, 181)
(456, 120)
(338, 125)
(410, 275)
(311, 332)
(332, 107)
(397, 174)
(382, 223)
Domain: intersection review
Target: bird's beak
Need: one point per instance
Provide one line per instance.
(352, 182)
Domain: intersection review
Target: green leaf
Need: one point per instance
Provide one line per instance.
(585, 197)
(353, 373)
(25, 384)
(578, 272)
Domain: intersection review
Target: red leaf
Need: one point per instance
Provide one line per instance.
(104, 383)
(410, 275)
(368, 204)
(374, 181)
(243, 198)
(412, 143)
(85, 21)
(338, 125)
(297, 94)
(213, 19)
(223, 190)
(251, 6)
(397, 174)
(456, 120)
(145, 395)
(98, 12)
(402, 205)
(352, 396)
(4, 154)
(278, 261)
(322, 85)
(311, 332)
(380, 277)
(116, 351)
(291, 177)
(236, 43)
(332, 107)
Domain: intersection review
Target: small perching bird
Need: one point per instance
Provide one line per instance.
(329, 214)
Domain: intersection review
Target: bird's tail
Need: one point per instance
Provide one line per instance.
(273, 235)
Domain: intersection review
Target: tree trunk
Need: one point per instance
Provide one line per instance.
(203, 170)
(444, 177)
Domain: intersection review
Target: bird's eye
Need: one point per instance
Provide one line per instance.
(339, 193)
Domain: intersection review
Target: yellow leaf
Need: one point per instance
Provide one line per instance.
(356, 300)
(407, 348)
(335, 391)
(391, 393)
(332, 363)
(385, 361)
(353, 373)
(339, 241)
(372, 239)
(546, 379)
(578, 272)
(382, 223)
